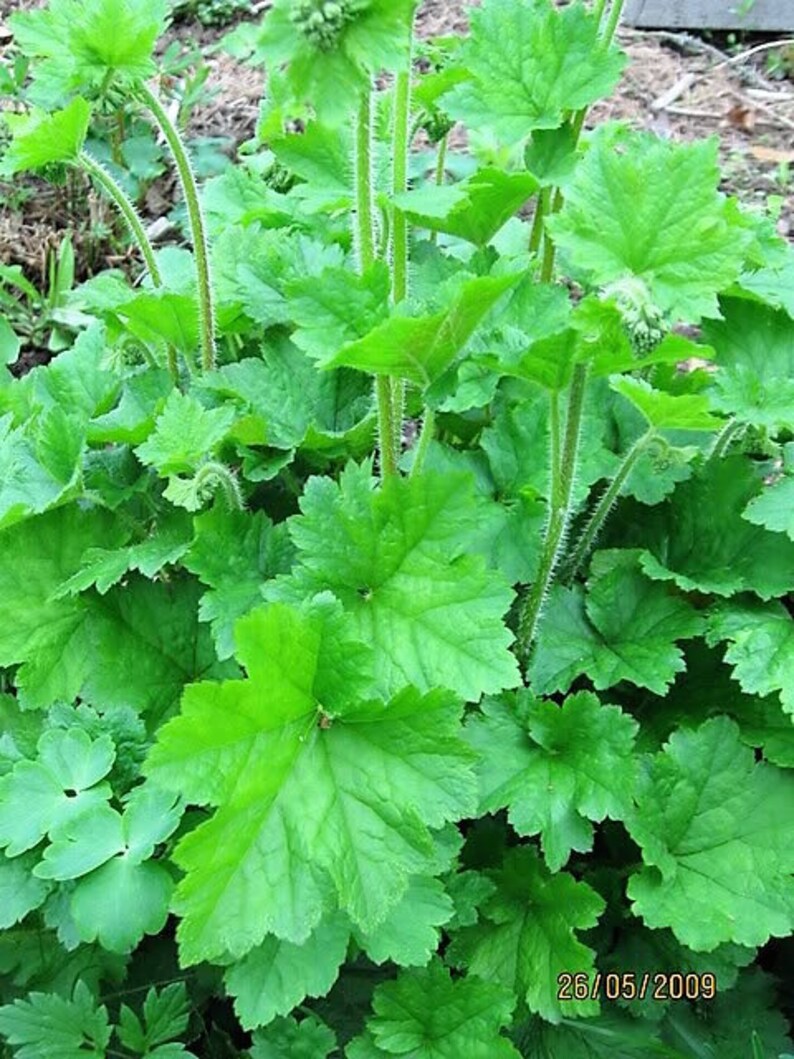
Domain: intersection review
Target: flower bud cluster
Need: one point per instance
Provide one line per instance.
(322, 21)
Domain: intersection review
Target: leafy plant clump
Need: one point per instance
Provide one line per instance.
(397, 646)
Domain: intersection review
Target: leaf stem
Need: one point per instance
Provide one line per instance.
(124, 205)
(364, 217)
(441, 170)
(399, 237)
(198, 230)
(541, 209)
(612, 23)
(365, 248)
(425, 437)
(604, 505)
(559, 514)
(97, 172)
(722, 441)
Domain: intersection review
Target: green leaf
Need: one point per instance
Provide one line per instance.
(20, 890)
(83, 45)
(39, 464)
(774, 507)
(40, 796)
(40, 139)
(45, 1025)
(717, 838)
(761, 647)
(133, 418)
(103, 568)
(82, 843)
(526, 936)
(121, 902)
(424, 1014)
(666, 411)
(9, 344)
(48, 637)
(337, 307)
(774, 283)
(330, 79)
(652, 211)
(554, 768)
(552, 155)
(277, 975)
(85, 840)
(185, 433)
(610, 1036)
(398, 561)
(706, 690)
(320, 156)
(740, 1022)
(350, 790)
(295, 404)
(645, 951)
(474, 210)
(288, 1039)
(165, 1015)
(624, 629)
(420, 348)
(753, 345)
(121, 895)
(529, 66)
(699, 540)
(164, 317)
(517, 445)
(234, 552)
(77, 381)
(409, 934)
(146, 644)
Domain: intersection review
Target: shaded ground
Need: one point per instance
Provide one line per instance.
(676, 85)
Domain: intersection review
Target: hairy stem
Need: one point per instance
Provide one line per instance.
(364, 216)
(124, 205)
(441, 170)
(724, 439)
(577, 124)
(97, 172)
(559, 515)
(198, 230)
(425, 437)
(612, 23)
(365, 247)
(399, 239)
(604, 505)
(541, 209)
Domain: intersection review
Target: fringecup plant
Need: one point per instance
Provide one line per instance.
(104, 49)
(479, 746)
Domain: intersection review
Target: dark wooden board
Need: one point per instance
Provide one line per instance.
(775, 16)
